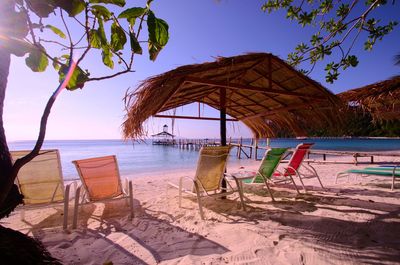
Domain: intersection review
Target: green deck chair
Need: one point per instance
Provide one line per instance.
(268, 165)
(376, 171)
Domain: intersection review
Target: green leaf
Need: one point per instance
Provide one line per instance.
(95, 39)
(41, 8)
(118, 38)
(135, 46)
(133, 12)
(101, 12)
(73, 7)
(56, 64)
(158, 30)
(56, 31)
(158, 34)
(154, 50)
(120, 3)
(107, 57)
(37, 60)
(102, 34)
(78, 78)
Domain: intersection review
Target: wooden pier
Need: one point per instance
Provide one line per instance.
(255, 151)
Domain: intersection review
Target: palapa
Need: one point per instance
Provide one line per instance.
(381, 99)
(262, 91)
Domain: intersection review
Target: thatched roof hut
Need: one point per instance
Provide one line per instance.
(381, 99)
(262, 91)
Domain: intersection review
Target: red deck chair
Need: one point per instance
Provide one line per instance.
(295, 162)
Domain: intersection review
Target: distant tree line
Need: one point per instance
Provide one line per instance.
(355, 123)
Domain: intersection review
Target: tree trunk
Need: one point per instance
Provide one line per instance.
(9, 195)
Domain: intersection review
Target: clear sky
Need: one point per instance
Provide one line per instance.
(199, 31)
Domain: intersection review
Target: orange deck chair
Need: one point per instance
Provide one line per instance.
(101, 182)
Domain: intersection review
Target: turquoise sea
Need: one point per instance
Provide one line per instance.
(145, 158)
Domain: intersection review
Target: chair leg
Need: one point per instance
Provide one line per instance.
(294, 183)
(337, 176)
(180, 192)
(312, 169)
(269, 190)
(131, 215)
(392, 188)
(301, 181)
(66, 204)
(76, 210)
(199, 201)
(240, 190)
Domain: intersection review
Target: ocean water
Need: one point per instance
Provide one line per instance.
(144, 158)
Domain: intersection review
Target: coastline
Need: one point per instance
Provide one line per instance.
(352, 222)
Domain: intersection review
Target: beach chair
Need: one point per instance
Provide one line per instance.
(101, 182)
(384, 171)
(268, 165)
(293, 168)
(41, 182)
(208, 178)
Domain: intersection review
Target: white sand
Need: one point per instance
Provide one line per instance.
(355, 222)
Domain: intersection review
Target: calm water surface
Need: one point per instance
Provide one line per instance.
(145, 158)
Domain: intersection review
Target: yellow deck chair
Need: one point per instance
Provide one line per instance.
(209, 175)
(41, 181)
(101, 182)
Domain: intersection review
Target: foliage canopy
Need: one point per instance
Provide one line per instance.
(339, 24)
(104, 25)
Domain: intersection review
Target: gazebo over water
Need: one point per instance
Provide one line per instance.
(164, 137)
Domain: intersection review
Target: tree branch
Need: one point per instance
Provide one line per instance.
(110, 76)
(43, 122)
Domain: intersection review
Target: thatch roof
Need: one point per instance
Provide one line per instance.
(381, 99)
(262, 91)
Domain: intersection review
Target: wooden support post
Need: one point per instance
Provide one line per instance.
(372, 159)
(240, 147)
(222, 102)
(255, 149)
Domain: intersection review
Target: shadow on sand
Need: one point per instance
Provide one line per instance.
(369, 240)
(112, 232)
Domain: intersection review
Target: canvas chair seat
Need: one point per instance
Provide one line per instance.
(268, 165)
(41, 182)
(101, 181)
(296, 162)
(208, 178)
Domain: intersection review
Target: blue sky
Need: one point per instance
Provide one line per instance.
(199, 31)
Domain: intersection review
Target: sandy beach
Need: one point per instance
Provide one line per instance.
(353, 222)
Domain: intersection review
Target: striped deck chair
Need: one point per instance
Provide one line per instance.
(208, 178)
(100, 182)
(41, 182)
(268, 165)
(293, 168)
(385, 171)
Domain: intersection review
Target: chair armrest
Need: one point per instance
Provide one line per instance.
(237, 175)
(125, 187)
(74, 185)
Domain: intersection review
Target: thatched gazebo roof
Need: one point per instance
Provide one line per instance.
(262, 91)
(381, 99)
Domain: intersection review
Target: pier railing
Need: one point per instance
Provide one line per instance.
(255, 150)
